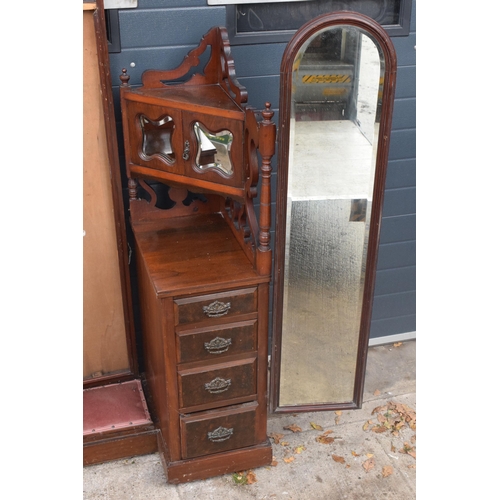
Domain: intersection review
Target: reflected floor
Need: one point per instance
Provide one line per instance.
(335, 161)
(321, 303)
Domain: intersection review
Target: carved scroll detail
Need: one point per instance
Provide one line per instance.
(219, 69)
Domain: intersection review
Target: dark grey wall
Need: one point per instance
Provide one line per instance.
(159, 33)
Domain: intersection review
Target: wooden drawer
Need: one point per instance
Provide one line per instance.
(212, 344)
(215, 431)
(213, 385)
(216, 305)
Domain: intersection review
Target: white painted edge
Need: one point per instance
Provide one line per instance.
(120, 4)
(390, 339)
(233, 2)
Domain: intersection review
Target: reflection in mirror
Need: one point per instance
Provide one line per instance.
(213, 149)
(333, 122)
(157, 138)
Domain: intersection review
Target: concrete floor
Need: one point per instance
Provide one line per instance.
(367, 464)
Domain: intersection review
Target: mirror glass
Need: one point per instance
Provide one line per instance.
(157, 138)
(213, 149)
(336, 90)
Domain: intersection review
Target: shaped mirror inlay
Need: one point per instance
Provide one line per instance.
(157, 138)
(338, 75)
(213, 151)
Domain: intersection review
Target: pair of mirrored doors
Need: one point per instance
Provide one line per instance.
(338, 76)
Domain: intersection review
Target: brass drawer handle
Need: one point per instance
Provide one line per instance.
(218, 345)
(220, 434)
(218, 385)
(217, 309)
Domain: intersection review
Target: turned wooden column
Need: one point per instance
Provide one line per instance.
(267, 139)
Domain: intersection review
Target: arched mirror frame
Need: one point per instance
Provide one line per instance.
(379, 35)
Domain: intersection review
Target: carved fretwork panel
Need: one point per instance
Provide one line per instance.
(241, 219)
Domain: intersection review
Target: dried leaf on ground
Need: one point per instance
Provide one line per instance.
(354, 454)
(397, 344)
(369, 455)
(379, 429)
(409, 450)
(369, 464)
(316, 426)
(379, 409)
(340, 460)
(399, 424)
(395, 416)
(276, 437)
(377, 393)
(274, 463)
(387, 470)
(299, 449)
(338, 412)
(325, 438)
(287, 460)
(293, 428)
(251, 477)
(367, 424)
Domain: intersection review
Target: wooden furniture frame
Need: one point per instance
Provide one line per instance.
(204, 262)
(108, 114)
(301, 36)
(116, 437)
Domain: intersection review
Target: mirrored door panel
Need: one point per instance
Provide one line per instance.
(337, 92)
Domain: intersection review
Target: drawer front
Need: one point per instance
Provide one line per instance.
(213, 306)
(217, 383)
(215, 343)
(217, 431)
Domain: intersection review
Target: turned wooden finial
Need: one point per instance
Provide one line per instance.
(124, 77)
(268, 113)
(132, 189)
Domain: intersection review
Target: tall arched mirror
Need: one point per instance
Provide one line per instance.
(337, 90)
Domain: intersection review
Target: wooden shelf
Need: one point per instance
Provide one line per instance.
(197, 252)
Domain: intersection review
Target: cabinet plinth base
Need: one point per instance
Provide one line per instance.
(142, 442)
(116, 423)
(214, 465)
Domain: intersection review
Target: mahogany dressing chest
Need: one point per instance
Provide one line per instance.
(195, 152)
